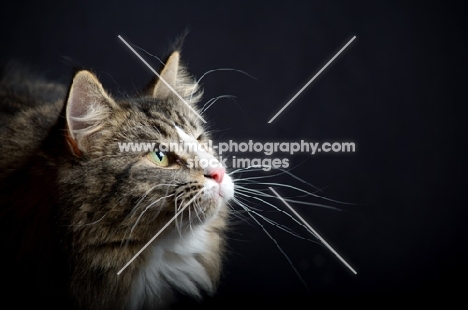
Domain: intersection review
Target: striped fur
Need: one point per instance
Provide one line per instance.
(95, 206)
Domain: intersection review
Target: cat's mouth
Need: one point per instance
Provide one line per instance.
(223, 191)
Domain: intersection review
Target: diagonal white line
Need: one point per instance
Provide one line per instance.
(162, 229)
(313, 230)
(311, 80)
(164, 81)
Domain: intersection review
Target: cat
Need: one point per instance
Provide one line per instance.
(75, 210)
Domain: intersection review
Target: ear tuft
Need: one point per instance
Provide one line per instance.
(88, 106)
(168, 75)
(178, 79)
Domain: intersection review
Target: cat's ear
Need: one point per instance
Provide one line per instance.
(169, 74)
(88, 105)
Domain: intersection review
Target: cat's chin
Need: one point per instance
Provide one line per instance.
(226, 188)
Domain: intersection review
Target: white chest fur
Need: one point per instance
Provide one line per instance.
(172, 264)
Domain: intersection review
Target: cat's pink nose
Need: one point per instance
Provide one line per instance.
(216, 173)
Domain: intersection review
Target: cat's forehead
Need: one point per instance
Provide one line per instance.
(162, 118)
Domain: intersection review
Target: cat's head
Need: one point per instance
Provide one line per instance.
(112, 197)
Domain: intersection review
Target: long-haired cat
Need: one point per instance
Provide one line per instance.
(75, 210)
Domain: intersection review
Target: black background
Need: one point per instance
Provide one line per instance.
(397, 91)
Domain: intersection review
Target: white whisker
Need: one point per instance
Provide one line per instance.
(216, 70)
(149, 206)
(276, 243)
(279, 210)
(213, 100)
(87, 224)
(252, 191)
(160, 231)
(279, 226)
(283, 171)
(315, 233)
(146, 194)
(305, 192)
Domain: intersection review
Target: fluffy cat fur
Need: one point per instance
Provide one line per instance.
(75, 210)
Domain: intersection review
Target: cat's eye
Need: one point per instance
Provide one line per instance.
(159, 158)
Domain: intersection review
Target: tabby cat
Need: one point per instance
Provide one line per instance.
(75, 210)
